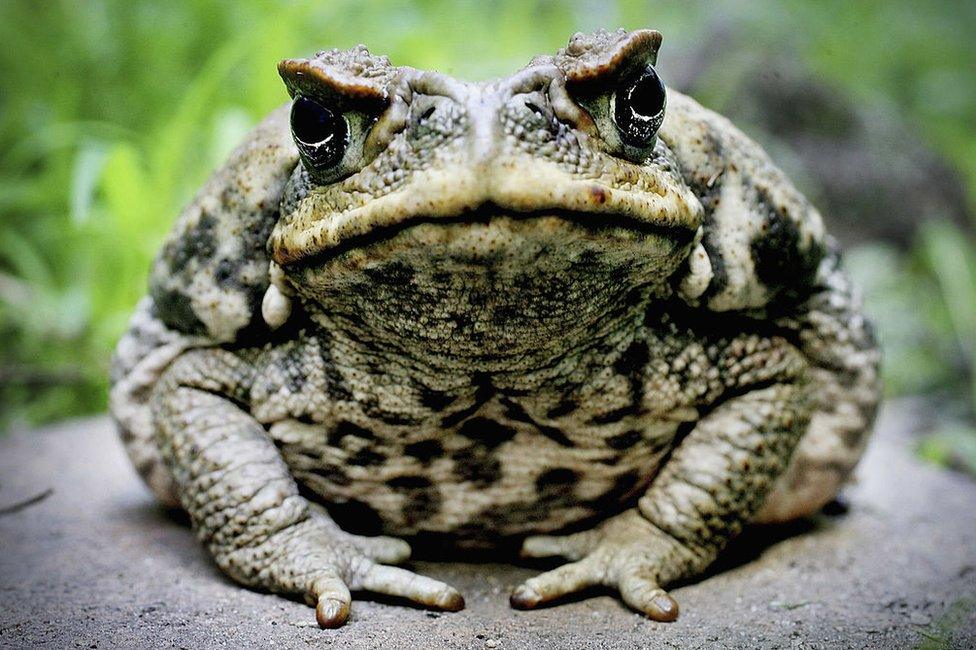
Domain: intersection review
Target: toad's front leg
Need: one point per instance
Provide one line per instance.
(714, 482)
(246, 507)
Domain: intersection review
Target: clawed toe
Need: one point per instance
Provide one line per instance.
(645, 596)
(330, 613)
(567, 579)
(332, 600)
(394, 581)
(331, 596)
(662, 608)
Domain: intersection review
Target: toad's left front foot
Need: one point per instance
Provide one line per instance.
(627, 553)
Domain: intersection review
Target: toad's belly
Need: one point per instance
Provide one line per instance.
(488, 476)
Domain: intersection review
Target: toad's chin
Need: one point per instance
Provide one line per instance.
(490, 286)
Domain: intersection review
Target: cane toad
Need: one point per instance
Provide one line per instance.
(570, 308)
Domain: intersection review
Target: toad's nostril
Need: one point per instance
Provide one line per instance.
(534, 108)
(426, 114)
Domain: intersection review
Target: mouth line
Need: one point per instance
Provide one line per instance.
(484, 214)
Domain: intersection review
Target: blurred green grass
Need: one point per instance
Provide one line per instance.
(112, 113)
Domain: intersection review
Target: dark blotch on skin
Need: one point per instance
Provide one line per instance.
(199, 243)
(564, 407)
(486, 431)
(682, 432)
(394, 273)
(425, 450)
(422, 499)
(330, 473)
(624, 485)
(175, 310)
(836, 507)
(634, 360)
(367, 457)
(554, 434)
(558, 478)
(624, 440)
(346, 428)
(632, 364)
(555, 488)
(408, 482)
(777, 252)
(356, 517)
(435, 400)
(225, 273)
(614, 416)
(709, 196)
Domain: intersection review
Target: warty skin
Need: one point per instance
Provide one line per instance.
(498, 310)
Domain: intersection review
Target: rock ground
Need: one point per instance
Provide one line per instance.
(92, 562)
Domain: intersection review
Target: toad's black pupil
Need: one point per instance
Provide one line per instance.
(647, 95)
(319, 133)
(311, 122)
(639, 108)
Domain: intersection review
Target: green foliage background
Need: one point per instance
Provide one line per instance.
(113, 112)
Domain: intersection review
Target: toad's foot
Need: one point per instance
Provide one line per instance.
(627, 553)
(313, 558)
(360, 567)
(713, 483)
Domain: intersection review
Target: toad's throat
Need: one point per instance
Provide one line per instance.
(677, 236)
(489, 287)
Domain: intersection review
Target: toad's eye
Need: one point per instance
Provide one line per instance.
(320, 134)
(639, 108)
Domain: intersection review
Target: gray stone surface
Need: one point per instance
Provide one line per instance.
(96, 564)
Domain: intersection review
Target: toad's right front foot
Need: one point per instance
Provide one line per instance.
(311, 559)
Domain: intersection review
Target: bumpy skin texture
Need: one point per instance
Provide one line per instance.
(494, 316)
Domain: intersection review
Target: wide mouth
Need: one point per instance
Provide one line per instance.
(677, 235)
